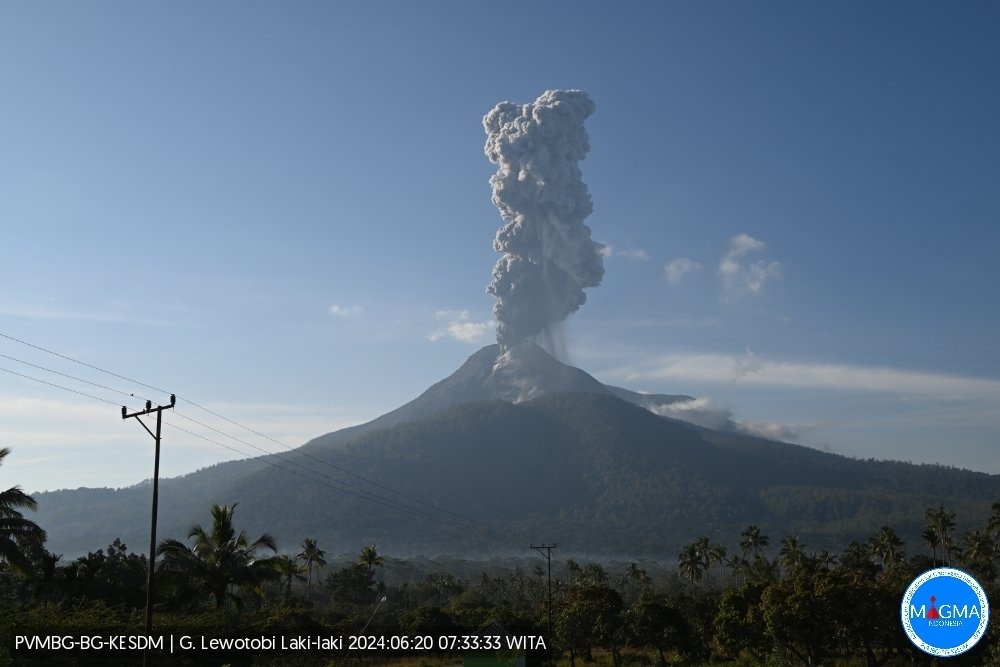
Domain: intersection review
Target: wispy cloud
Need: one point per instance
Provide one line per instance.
(458, 324)
(633, 254)
(751, 369)
(102, 314)
(678, 268)
(345, 311)
(739, 278)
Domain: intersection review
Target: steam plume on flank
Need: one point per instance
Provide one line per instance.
(548, 255)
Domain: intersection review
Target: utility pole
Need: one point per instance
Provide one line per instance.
(548, 558)
(156, 492)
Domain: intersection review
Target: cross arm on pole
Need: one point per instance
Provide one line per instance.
(149, 409)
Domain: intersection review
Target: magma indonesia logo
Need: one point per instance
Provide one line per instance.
(945, 612)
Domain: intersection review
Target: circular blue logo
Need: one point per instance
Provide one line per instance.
(945, 612)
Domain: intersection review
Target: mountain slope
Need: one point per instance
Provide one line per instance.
(534, 450)
(527, 371)
(596, 474)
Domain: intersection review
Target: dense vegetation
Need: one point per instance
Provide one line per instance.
(761, 602)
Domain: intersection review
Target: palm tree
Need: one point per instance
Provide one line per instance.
(220, 559)
(689, 562)
(739, 566)
(716, 554)
(792, 553)
(825, 560)
(14, 528)
(994, 523)
(887, 547)
(594, 575)
(370, 558)
(635, 578)
(573, 568)
(932, 539)
(979, 554)
(753, 540)
(289, 571)
(993, 527)
(312, 555)
(942, 521)
(856, 557)
(484, 585)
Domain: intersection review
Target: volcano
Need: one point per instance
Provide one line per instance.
(516, 447)
(521, 373)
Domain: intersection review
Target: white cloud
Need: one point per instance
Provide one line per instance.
(678, 268)
(637, 254)
(458, 325)
(743, 366)
(633, 254)
(753, 370)
(738, 278)
(100, 313)
(345, 311)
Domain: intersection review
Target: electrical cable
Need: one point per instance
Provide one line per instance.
(231, 421)
(375, 500)
(347, 488)
(58, 386)
(71, 377)
(343, 486)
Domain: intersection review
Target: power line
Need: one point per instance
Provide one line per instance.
(344, 487)
(299, 452)
(364, 495)
(82, 363)
(71, 377)
(59, 386)
(347, 488)
(326, 481)
(231, 421)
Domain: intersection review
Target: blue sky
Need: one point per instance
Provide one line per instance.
(283, 213)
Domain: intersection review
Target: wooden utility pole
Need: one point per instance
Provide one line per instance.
(548, 558)
(156, 492)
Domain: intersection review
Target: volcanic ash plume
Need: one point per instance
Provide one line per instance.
(548, 255)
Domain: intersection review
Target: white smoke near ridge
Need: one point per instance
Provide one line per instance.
(548, 255)
(706, 413)
(699, 411)
(769, 430)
